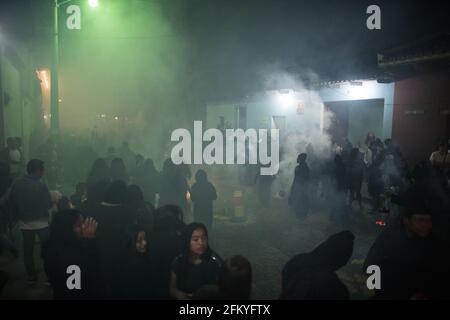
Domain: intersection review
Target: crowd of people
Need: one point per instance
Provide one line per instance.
(124, 227)
(339, 178)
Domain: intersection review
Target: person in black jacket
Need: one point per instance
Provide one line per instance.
(72, 243)
(312, 276)
(167, 244)
(114, 218)
(197, 266)
(413, 261)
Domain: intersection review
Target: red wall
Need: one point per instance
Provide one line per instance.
(417, 134)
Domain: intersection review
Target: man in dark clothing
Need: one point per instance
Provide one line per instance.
(203, 194)
(312, 276)
(413, 262)
(299, 196)
(31, 200)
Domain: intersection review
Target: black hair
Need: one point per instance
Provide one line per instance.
(188, 231)
(96, 193)
(201, 176)
(99, 171)
(235, 278)
(35, 165)
(302, 157)
(61, 228)
(116, 192)
(134, 196)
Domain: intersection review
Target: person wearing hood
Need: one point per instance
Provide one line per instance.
(99, 172)
(299, 196)
(203, 194)
(148, 178)
(166, 245)
(312, 276)
(173, 186)
(412, 260)
(114, 218)
(72, 242)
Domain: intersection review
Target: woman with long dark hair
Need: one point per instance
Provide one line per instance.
(198, 265)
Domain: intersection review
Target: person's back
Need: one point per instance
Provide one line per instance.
(148, 178)
(173, 186)
(312, 276)
(113, 219)
(31, 198)
(166, 245)
(31, 201)
(203, 194)
(302, 174)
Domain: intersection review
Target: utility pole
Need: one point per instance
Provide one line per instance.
(54, 106)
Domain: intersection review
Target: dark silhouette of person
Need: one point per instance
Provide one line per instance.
(413, 261)
(312, 276)
(340, 174)
(203, 194)
(173, 186)
(355, 174)
(72, 243)
(114, 218)
(95, 196)
(166, 245)
(234, 282)
(299, 195)
(139, 261)
(98, 172)
(31, 200)
(337, 197)
(118, 170)
(148, 178)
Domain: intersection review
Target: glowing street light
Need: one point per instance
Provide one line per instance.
(286, 98)
(93, 3)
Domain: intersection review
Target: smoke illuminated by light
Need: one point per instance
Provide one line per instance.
(286, 98)
(43, 76)
(93, 3)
